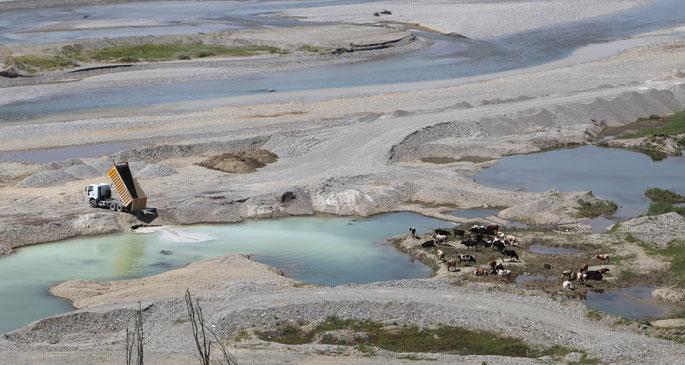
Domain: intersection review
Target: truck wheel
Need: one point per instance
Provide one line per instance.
(113, 207)
(93, 203)
(119, 208)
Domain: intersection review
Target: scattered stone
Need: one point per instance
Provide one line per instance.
(241, 162)
(5, 250)
(156, 170)
(670, 294)
(658, 230)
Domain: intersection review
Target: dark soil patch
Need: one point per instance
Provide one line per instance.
(243, 162)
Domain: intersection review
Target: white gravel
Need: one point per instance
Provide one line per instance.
(156, 170)
(83, 171)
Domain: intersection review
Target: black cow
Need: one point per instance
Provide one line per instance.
(595, 274)
(427, 244)
(469, 243)
(467, 258)
(443, 232)
(510, 253)
(498, 245)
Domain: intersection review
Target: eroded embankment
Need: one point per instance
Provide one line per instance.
(535, 129)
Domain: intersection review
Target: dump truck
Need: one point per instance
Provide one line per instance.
(131, 197)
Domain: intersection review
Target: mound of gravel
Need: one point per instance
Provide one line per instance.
(102, 165)
(57, 165)
(83, 171)
(156, 170)
(45, 178)
(658, 230)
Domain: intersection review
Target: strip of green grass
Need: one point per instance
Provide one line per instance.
(71, 55)
(662, 195)
(447, 339)
(588, 210)
(657, 208)
(161, 52)
(34, 63)
(675, 125)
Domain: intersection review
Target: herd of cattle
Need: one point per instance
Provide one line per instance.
(490, 236)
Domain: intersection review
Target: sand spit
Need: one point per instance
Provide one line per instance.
(203, 277)
(472, 19)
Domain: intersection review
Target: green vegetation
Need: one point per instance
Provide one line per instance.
(241, 336)
(594, 314)
(315, 49)
(676, 253)
(71, 55)
(455, 340)
(662, 195)
(674, 124)
(34, 63)
(161, 52)
(661, 208)
(589, 210)
(366, 350)
(585, 360)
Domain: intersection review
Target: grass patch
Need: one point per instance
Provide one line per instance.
(447, 339)
(161, 52)
(594, 315)
(34, 63)
(674, 124)
(71, 55)
(438, 160)
(366, 350)
(676, 253)
(657, 208)
(662, 195)
(587, 209)
(585, 360)
(315, 49)
(241, 336)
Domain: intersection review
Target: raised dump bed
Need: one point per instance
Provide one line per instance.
(132, 197)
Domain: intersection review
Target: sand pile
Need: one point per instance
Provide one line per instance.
(241, 162)
(204, 277)
(156, 170)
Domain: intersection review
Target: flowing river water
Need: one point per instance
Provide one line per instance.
(448, 57)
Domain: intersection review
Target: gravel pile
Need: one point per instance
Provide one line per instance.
(102, 165)
(46, 178)
(155, 170)
(83, 171)
(58, 165)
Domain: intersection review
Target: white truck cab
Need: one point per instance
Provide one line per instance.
(97, 193)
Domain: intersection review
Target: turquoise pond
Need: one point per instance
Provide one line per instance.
(321, 250)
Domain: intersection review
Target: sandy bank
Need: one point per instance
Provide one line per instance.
(472, 19)
(201, 277)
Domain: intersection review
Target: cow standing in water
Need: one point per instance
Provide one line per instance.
(412, 231)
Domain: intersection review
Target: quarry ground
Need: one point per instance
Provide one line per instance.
(343, 151)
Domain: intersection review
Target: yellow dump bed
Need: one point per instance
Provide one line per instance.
(132, 196)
